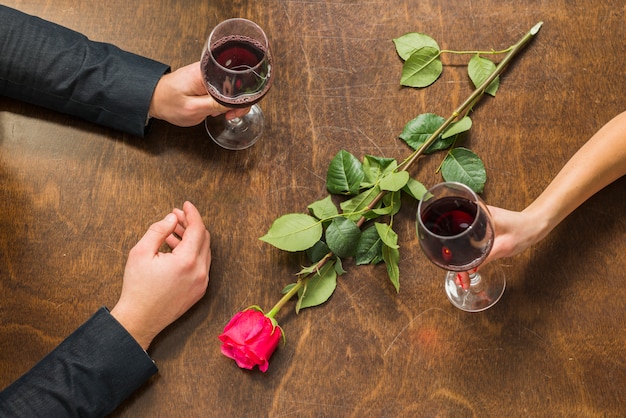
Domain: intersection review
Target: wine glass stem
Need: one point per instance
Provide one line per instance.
(237, 125)
(476, 286)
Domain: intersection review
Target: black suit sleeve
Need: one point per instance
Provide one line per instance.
(87, 375)
(60, 69)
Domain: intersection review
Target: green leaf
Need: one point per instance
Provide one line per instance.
(479, 70)
(415, 189)
(464, 166)
(392, 260)
(381, 211)
(317, 251)
(342, 237)
(318, 288)
(458, 127)
(369, 248)
(359, 202)
(339, 267)
(393, 182)
(393, 200)
(389, 237)
(422, 68)
(417, 131)
(345, 174)
(407, 44)
(376, 167)
(294, 232)
(391, 204)
(323, 209)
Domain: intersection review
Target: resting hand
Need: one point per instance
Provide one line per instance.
(159, 287)
(181, 99)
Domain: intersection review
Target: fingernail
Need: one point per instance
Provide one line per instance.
(171, 218)
(459, 278)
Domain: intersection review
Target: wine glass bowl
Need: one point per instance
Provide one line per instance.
(236, 67)
(456, 233)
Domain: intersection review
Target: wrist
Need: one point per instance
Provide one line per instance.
(128, 320)
(153, 109)
(539, 222)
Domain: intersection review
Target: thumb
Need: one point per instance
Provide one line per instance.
(157, 233)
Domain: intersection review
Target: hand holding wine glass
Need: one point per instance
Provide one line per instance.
(237, 70)
(456, 233)
(181, 98)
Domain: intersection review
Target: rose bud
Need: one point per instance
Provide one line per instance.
(250, 339)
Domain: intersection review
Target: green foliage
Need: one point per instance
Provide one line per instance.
(460, 164)
(457, 128)
(342, 237)
(394, 181)
(369, 247)
(387, 235)
(294, 232)
(479, 70)
(422, 62)
(371, 189)
(345, 174)
(415, 189)
(464, 166)
(392, 261)
(417, 131)
(323, 209)
(406, 45)
(318, 288)
(422, 68)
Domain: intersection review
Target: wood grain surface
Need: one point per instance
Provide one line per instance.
(74, 198)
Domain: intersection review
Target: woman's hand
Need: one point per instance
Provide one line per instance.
(514, 232)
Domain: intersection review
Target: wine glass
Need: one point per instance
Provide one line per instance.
(236, 67)
(456, 233)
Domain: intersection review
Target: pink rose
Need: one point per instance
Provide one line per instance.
(250, 339)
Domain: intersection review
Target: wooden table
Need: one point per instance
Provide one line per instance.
(76, 197)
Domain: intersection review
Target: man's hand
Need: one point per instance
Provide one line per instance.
(181, 99)
(159, 287)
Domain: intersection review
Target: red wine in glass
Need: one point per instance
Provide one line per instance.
(242, 77)
(236, 67)
(451, 217)
(456, 233)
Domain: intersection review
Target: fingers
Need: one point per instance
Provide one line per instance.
(180, 215)
(195, 237)
(196, 242)
(174, 238)
(463, 280)
(236, 113)
(157, 234)
(207, 106)
(183, 230)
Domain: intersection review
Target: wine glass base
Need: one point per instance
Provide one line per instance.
(486, 289)
(236, 134)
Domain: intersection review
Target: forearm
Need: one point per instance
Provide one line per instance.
(60, 69)
(89, 374)
(597, 163)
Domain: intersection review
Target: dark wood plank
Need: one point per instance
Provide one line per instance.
(76, 197)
